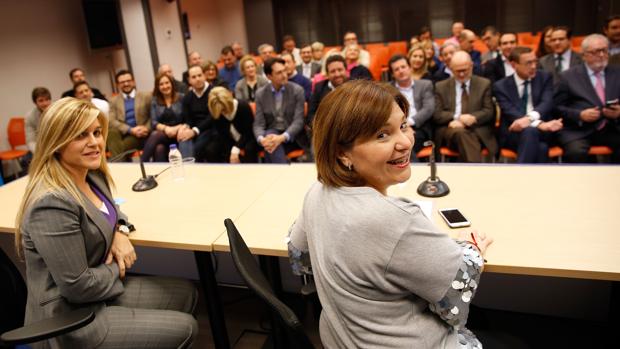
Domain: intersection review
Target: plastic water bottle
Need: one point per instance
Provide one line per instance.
(176, 163)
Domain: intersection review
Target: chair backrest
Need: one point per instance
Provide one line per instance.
(252, 275)
(16, 132)
(13, 293)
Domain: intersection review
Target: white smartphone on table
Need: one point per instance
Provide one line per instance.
(454, 218)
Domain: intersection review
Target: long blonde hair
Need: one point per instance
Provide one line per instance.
(60, 124)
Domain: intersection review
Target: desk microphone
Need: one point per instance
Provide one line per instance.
(433, 186)
(146, 182)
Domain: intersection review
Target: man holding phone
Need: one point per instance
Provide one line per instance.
(587, 99)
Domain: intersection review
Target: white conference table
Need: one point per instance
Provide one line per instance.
(546, 220)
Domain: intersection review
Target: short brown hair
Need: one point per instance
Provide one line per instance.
(40, 92)
(515, 55)
(354, 111)
(159, 97)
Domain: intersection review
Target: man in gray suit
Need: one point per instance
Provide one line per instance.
(464, 112)
(279, 121)
(419, 94)
(307, 67)
(562, 58)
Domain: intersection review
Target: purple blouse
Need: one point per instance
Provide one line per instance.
(111, 216)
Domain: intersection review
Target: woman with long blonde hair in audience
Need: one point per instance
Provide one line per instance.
(166, 109)
(233, 121)
(355, 69)
(75, 242)
(433, 63)
(246, 88)
(419, 63)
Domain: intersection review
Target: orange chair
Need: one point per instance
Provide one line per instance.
(399, 47)
(446, 152)
(554, 152)
(424, 152)
(379, 57)
(480, 46)
(17, 137)
(576, 43)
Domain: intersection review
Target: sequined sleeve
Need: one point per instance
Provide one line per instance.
(299, 259)
(453, 308)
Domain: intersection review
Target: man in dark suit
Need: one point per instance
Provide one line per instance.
(419, 94)
(130, 116)
(307, 67)
(279, 118)
(336, 68)
(464, 112)
(562, 58)
(500, 67)
(587, 98)
(77, 75)
(526, 101)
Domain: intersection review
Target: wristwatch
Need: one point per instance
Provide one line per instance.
(122, 228)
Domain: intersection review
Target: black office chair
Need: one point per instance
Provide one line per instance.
(13, 293)
(287, 331)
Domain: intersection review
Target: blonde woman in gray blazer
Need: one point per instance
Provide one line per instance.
(246, 88)
(73, 239)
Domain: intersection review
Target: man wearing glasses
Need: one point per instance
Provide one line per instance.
(587, 99)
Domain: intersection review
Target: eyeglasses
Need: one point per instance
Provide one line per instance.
(600, 51)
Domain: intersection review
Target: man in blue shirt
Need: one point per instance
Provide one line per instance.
(230, 71)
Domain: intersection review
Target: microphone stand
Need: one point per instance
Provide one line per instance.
(433, 186)
(146, 182)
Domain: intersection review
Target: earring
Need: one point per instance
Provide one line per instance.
(350, 167)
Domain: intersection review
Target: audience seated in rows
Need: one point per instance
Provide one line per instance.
(307, 67)
(419, 95)
(419, 63)
(251, 81)
(130, 119)
(179, 86)
(490, 36)
(500, 67)
(562, 57)
(233, 120)
(336, 68)
(77, 75)
(212, 75)
(350, 38)
(166, 109)
(289, 45)
(198, 138)
(82, 90)
(294, 77)
(279, 122)
(587, 98)
(42, 98)
(355, 69)
(193, 58)
(525, 99)
(464, 111)
(229, 73)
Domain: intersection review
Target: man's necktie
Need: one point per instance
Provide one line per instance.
(600, 91)
(464, 99)
(524, 97)
(558, 64)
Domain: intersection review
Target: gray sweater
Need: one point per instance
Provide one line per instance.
(382, 271)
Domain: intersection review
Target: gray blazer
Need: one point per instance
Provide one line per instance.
(241, 89)
(65, 245)
(547, 63)
(292, 104)
(424, 99)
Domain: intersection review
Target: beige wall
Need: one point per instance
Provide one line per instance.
(168, 35)
(41, 41)
(213, 25)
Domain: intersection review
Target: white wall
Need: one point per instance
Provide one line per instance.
(213, 25)
(168, 35)
(41, 41)
(134, 24)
